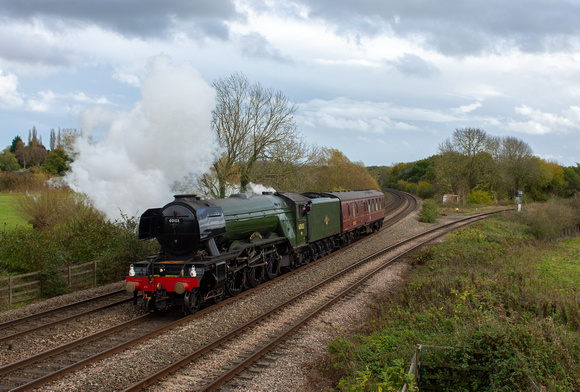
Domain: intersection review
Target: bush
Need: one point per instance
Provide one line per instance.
(401, 185)
(68, 231)
(55, 207)
(411, 188)
(23, 181)
(24, 250)
(480, 197)
(425, 190)
(53, 282)
(548, 220)
(430, 211)
(124, 251)
(574, 203)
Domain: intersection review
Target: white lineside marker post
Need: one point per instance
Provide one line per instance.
(519, 200)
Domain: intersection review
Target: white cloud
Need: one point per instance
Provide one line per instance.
(130, 79)
(348, 62)
(467, 108)
(542, 123)
(355, 116)
(9, 94)
(44, 102)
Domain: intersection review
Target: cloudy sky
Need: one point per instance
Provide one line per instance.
(383, 81)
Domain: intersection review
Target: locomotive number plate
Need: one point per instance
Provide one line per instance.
(174, 220)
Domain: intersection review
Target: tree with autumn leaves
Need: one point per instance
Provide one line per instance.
(260, 143)
(20, 155)
(473, 162)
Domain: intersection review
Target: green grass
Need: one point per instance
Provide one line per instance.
(504, 301)
(562, 264)
(9, 218)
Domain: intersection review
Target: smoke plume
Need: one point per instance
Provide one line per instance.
(164, 139)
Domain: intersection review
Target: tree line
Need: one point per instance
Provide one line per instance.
(259, 142)
(479, 167)
(34, 155)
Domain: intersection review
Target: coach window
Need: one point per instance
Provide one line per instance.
(348, 207)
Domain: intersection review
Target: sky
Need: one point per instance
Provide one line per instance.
(383, 81)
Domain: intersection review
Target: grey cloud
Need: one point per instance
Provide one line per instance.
(458, 27)
(413, 65)
(132, 18)
(255, 45)
(30, 48)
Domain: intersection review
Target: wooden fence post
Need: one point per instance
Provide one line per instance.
(95, 273)
(10, 291)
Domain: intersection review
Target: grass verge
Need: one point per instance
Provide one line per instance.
(507, 305)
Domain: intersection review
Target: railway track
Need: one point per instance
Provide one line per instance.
(52, 364)
(49, 365)
(244, 350)
(49, 319)
(401, 206)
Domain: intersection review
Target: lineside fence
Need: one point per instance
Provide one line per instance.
(25, 288)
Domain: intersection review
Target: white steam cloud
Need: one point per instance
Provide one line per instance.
(257, 189)
(164, 139)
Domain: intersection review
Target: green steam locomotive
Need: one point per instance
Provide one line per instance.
(210, 249)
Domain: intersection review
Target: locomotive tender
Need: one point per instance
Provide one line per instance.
(214, 248)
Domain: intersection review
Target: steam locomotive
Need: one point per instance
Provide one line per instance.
(210, 249)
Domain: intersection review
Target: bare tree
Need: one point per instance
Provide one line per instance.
(251, 124)
(514, 158)
(512, 149)
(284, 170)
(468, 159)
(472, 141)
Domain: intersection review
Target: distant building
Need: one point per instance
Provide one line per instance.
(450, 198)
